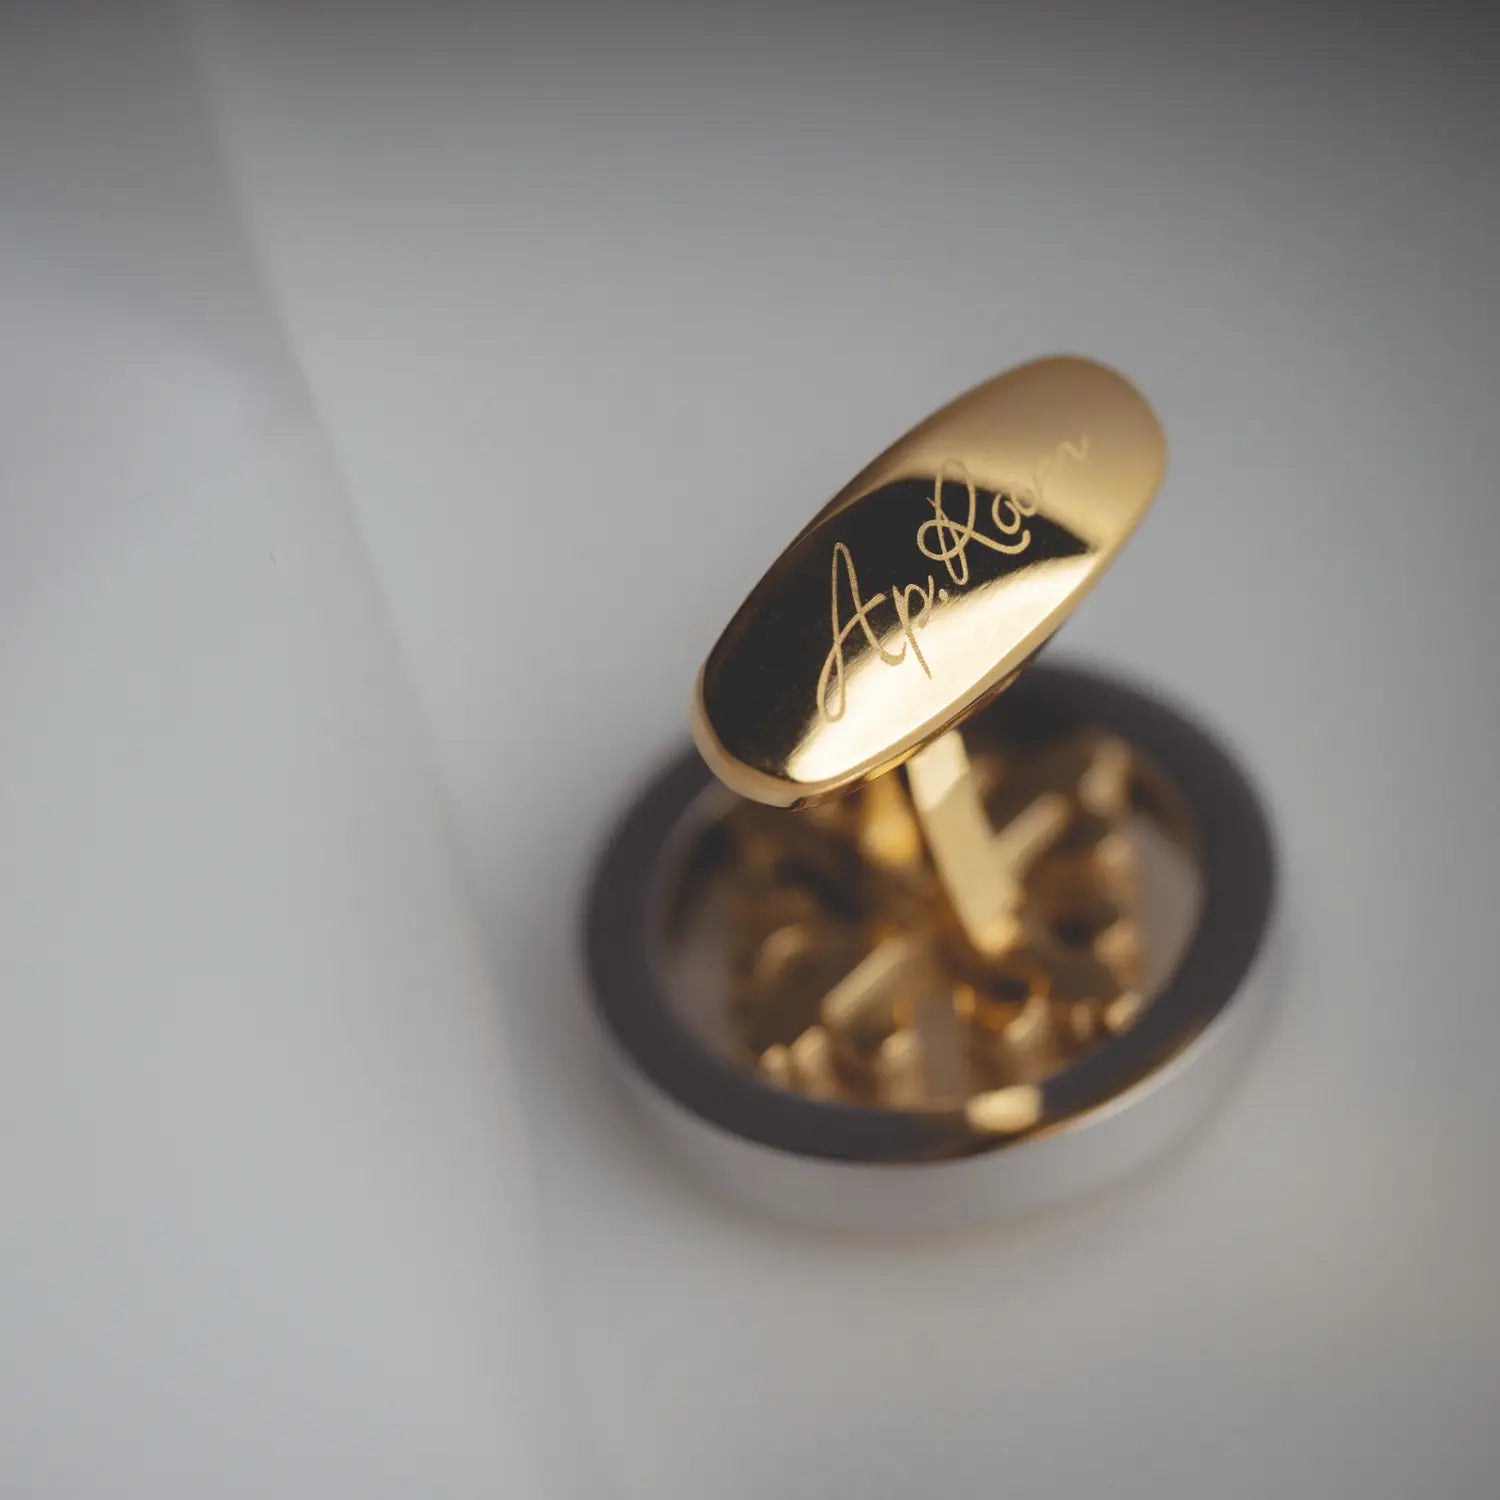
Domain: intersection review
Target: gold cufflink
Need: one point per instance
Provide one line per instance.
(915, 904)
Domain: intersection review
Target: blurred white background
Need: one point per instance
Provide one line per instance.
(401, 397)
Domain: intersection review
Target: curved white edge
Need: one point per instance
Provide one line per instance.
(1101, 1148)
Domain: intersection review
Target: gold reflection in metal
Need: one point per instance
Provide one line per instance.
(870, 964)
(951, 934)
(921, 589)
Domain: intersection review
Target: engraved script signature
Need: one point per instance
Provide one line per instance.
(945, 537)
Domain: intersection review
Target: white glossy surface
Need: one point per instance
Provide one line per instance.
(264, 1228)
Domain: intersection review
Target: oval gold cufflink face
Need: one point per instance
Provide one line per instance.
(925, 585)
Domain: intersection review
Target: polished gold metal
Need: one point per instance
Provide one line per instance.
(950, 934)
(856, 978)
(925, 585)
(924, 922)
(981, 867)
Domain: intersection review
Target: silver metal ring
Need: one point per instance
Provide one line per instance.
(845, 1165)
